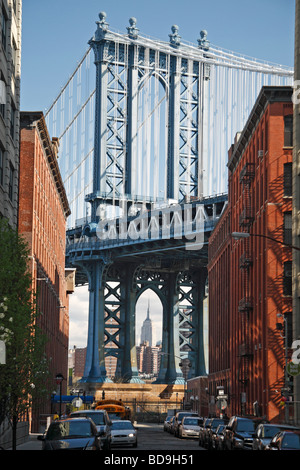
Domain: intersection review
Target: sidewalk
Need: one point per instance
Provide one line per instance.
(31, 444)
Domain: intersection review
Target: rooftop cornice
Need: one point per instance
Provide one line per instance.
(268, 94)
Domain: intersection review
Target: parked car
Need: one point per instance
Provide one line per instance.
(285, 440)
(171, 425)
(102, 422)
(218, 437)
(190, 426)
(123, 432)
(202, 432)
(211, 428)
(265, 432)
(167, 423)
(239, 433)
(178, 419)
(71, 434)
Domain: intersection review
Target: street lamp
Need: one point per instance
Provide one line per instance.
(240, 235)
(59, 378)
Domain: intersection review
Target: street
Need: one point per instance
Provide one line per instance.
(151, 437)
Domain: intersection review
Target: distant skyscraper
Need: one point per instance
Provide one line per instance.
(146, 330)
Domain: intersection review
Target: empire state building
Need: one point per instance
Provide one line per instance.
(146, 330)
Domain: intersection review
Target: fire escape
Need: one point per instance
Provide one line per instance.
(246, 302)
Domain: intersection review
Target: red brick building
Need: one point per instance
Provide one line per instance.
(250, 282)
(43, 210)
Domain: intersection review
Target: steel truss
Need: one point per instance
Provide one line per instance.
(155, 124)
(184, 95)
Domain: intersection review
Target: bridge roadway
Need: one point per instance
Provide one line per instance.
(84, 244)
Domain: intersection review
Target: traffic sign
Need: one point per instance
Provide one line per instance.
(69, 398)
(293, 369)
(222, 404)
(77, 402)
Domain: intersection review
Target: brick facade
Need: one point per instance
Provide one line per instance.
(249, 279)
(43, 210)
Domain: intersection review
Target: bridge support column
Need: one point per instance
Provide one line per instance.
(129, 362)
(170, 371)
(95, 364)
(200, 281)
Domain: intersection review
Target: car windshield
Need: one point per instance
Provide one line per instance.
(191, 421)
(269, 431)
(245, 425)
(291, 441)
(69, 429)
(121, 425)
(220, 428)
(98, 418)
(114, 415)
(216, 423)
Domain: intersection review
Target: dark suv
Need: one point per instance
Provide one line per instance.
(102, 422)
(265, 432)
(239, 433)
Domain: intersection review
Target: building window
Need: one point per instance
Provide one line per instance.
(287, 228)
(287, 278)
(12, 120)
(14, 58)
(2, 97)
(288, 180)
(4, 29)
(288, 130)
(289, 332)
(1, 167)
(11, 182)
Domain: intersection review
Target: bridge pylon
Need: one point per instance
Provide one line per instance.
(120, 267)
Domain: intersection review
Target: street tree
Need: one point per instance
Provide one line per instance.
(24, 375)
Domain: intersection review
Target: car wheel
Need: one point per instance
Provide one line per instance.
(107, 446)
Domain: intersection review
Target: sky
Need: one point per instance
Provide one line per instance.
(55, 36)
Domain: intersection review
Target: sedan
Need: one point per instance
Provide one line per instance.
(171, 425)
(218, 437)
(167, 423)
(102, 423)
(71, 434)
(123, 432)
(190, 427)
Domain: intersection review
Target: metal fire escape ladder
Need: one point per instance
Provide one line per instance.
(246, 303)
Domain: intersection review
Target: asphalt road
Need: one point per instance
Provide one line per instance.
(151, 437)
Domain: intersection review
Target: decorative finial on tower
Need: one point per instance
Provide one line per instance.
(102, 26)
(174, 37)
(203, 42)
(132, 30)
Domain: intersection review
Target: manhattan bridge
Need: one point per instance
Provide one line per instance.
(144, 127)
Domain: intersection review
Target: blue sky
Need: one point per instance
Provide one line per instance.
(55, 36)
(55, 33)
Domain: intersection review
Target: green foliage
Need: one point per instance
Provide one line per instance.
(25, 373)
